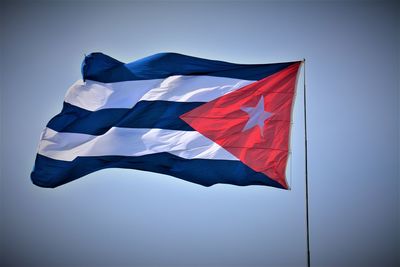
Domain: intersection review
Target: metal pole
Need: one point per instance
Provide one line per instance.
(306, 165)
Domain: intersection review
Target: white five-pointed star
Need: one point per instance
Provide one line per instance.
(257, 116)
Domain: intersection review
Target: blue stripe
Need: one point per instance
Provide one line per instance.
(48, 172)
(145, 114)
(102, 68)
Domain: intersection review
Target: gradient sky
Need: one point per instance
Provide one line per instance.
(121, 217)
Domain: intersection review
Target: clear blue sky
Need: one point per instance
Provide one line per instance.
(131, 218)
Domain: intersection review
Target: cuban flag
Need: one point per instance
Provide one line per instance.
(200, 120)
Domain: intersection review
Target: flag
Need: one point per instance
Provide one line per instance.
(200, 120)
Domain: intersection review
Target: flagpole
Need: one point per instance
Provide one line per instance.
(306, 164)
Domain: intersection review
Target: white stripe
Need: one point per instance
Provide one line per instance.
(194, 88)
(91, 95)
(130, 142)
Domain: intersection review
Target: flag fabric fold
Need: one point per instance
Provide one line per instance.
(200, 120)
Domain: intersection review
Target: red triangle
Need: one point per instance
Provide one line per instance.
(223, 120)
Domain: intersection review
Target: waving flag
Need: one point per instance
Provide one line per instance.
(200, 120)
